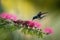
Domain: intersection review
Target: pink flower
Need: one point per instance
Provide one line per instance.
(30, 23)
(37, 25)
(18, 21)
(8, 16)
(48, 30)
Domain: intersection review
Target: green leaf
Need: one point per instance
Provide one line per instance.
(30, 31)
(40, 34)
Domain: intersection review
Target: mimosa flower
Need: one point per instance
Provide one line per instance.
(18, 21)
(30, 23)
(35, 24)
(48, 30)
(8, 16)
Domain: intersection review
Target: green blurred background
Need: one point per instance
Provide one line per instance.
(26, 9)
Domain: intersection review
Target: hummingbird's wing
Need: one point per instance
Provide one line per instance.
(39, 14)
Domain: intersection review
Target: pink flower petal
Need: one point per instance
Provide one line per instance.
(8, 16)
(34, 24)
(48, 30)
(37, 25)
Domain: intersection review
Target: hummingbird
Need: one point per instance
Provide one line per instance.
(40, 15)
